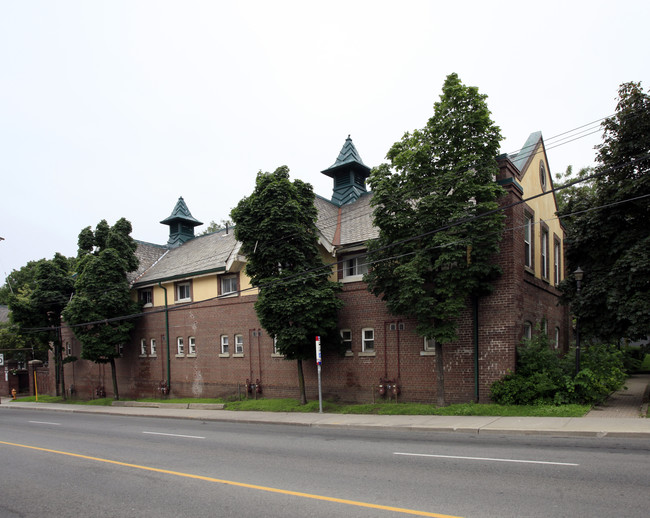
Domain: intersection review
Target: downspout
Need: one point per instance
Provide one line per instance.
(167, 339)
(476, 373)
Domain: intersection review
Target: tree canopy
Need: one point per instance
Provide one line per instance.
(102, 292)
(435, 249)
(608, 235)
(42, 290)
(297, 302)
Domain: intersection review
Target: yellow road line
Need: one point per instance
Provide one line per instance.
(237, 484)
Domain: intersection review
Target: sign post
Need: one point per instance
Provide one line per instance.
(319, 362)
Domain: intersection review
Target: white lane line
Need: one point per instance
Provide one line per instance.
(175, 435)
(45, 422)
(487, 459)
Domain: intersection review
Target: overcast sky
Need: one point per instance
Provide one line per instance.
(114, 109)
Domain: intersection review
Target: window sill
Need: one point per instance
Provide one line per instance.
(154, 355)
(191, 355)
(427, 353)
(179, 301)
(142, 356)
(180, 356)
(228, 295)
(238, 355)
(352, 278)
(349, 353)
(277, 355)
(224, 355)
(148, 305)
(367, 353)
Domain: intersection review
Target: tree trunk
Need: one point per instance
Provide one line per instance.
(60, 367)
(301, 383)
(114, 376)
(440, 376)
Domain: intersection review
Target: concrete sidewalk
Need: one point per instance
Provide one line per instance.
(628, 426)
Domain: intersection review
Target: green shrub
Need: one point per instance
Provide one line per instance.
(544, 377)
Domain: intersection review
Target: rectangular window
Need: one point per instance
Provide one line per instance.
(528, 244)
(556, 260)
(120, 350)
(153, 347)
(143, 347)
(346, 338)
(239, 344)
(183, 293)
(528, 330)
(224, 344)
(367, 339)
(355, 266)
(544, 253)
(180, 345)
(68, 349)
(276, 351)
(192, 345)
(557, 337)
(429, 345)
(146, 296)
(228, 285)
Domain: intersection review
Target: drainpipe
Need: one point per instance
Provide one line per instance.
(476, 374)
(167, 339)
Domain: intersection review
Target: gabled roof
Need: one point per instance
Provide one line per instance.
(148, 254)
(201, 255)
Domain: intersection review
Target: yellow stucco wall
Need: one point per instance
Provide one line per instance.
(544, 209)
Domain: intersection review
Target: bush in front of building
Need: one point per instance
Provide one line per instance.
(543, 376)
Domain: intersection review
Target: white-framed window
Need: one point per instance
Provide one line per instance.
(528, 329)
(557, 338)
(239, 344)
(556, 261)
(146, 296)
(180, 346)
(228, 284)
(542, 175)
(68, 349)
(354, 267)
(368, 340)
(192, 345)
(120, 350)
(544, 253)
(276, 351)
(429, 345)
(153, 347)
(545, 326)
(346, 338)
(143, 347)
(224, 344)
(183, 292)
(528, 240)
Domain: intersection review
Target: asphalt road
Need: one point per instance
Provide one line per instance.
(60, 465)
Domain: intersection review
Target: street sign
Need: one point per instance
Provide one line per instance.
(318, 356)
(319, 363)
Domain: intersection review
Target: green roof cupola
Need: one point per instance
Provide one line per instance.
(349, 174)
(181, 224)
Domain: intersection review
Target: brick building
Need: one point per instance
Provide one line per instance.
(199, 331)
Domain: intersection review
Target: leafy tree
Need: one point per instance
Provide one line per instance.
(18, 280)
(581, 191)
(297, 302)
(38, 304)
(102, 293)
(214, 226)
(439, 176)
(610, 240)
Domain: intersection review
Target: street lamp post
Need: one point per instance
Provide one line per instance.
(578, 274)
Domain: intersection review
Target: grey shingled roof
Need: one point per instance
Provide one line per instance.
(148, 254)
(202, 254)
(4, 314)
(356, 221)
(327, 217)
